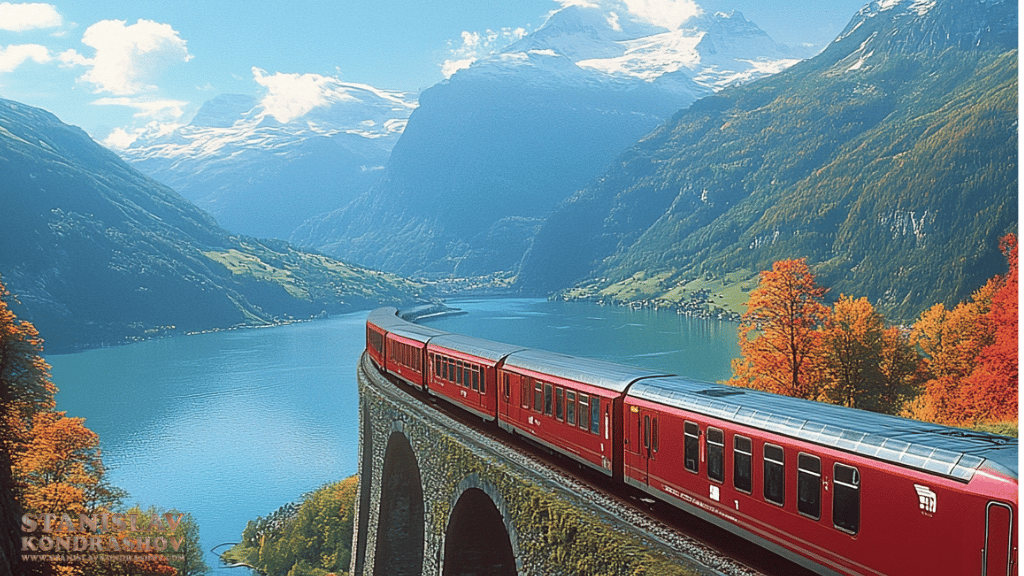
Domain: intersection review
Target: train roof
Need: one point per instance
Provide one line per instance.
(949, 452)
(599, 373)
(385, 318)
(416, 332)
(478, 347)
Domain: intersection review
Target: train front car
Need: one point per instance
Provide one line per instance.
(838, 490)
(571, 405)
(464, 370)
(405, 345)
(378, 322)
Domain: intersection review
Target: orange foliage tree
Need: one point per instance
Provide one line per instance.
(865, 364)
(49, 463)
(971, 354)
(779, 334)
(993, 382)
(24, 388)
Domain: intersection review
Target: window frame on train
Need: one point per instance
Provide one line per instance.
(737, 454)
(691, 446)
(774, 478)
(850, 487)
(715, 454)
(808, 485)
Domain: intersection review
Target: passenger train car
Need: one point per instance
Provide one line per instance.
(838, 490)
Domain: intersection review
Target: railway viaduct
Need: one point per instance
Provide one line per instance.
(437, 497)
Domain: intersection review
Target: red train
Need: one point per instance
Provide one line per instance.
(838, 490)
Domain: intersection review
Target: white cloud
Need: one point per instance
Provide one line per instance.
(452, 66)
(22, 17)
(583, 3)
(128, 58)
(13, 56)
(290, 96)
(120, 138)
(666, 13)
(164, 110)
(476, 45)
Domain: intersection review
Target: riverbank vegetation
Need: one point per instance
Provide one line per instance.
(50, 464)
(952, 366)
(311, 538)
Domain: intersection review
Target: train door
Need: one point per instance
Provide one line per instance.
(997, 559)
(645, 447)
(508, 399)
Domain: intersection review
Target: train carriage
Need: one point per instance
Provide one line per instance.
(378, 322)
(840, 491)
(463, 370)
(568, 404)
(405, 348)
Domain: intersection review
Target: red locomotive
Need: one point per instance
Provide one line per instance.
(838, 490)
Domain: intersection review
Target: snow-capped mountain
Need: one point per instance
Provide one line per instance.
(262, 167)
(713, 50)
(491, 151)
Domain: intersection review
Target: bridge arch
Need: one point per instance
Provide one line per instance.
(480, 537)
(400, 522)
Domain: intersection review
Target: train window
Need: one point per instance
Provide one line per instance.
(570, 407)
(458, 373)
(647, 431)
(506, 387)
(475, 370)
(483, 386)
(774, 474)
(846, 498)
(548, 399)
(691, 446)
(584, 411)
(595, 414)
(808, 485)
(742, 455)
(437, 365)
(559, 405)
(538, 397)
(524, 392)
(715, 440)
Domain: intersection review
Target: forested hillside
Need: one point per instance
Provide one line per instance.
(94, 252)
(889, 161)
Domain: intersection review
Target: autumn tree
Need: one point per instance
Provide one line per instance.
(865, 364)
(992, 384)
(950, 341)
(779, 334)
(25, 388)
(971, 354)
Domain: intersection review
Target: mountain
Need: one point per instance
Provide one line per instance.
(491, 151)
(95, 252)
(262, 167)
(889, 161)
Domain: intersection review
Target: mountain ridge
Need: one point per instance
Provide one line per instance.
(97, 253)
(870, 140)
(262, 166)
(491, 151)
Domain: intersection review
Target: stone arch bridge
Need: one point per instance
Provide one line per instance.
(437, 497)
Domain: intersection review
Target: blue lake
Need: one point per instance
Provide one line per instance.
(231, 425)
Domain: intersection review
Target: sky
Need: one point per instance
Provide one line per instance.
(113, 67)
